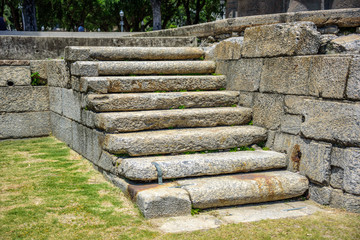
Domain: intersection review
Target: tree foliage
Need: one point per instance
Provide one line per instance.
(104, 14)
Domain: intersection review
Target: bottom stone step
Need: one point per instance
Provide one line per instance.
(178, 197)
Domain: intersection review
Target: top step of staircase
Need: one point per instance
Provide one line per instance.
(132, 53)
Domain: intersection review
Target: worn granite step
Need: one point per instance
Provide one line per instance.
(151, 83)
(181, 166)
(152, 101)
(115, 68)
(133, 53)
(178, 197)
(182, 140)
(117, 122)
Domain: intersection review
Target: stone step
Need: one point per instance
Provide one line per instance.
(182, 140)
(133, 53)
(178, 197)
(152, 101)
(191, 165)
(117, 122)
(151, 83)
(115, 68)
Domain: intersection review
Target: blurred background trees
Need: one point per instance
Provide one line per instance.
(67, 15)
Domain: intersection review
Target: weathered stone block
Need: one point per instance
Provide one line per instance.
(246, 99)
(88, 118)
(353, 85)
(229, 48)
(268, 110)
(244, 74)
(21, 125)
(352, 171)
(299, 38)
(15, 76)
(39, 66)
(291, 124)
(349, 44)
(328, 76)
(107, 162)
(55, 98)
(61, 128)
(338, 158)
(283, 142)
(294, 104)
(315, 162)
(332, 121)
(320, 194)
(347, 201)
(24, 99)
(71, 104)
(58, 74)
(336, 178)
(289, 75)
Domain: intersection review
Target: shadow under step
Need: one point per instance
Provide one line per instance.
(151, 83)
(152, 101)
(182, 140)
(133, 53)
(117, 122)
(191, 165)
(112, 68)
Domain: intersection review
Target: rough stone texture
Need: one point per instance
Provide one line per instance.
(22, 125)
(183, 140)
(151, 83)
(332, 121)
(55, 99)
(303, 5)
(88, 118)
(14, 63)
(14, 76)
(244, 188)
(337, 177)
(328, 76)
(133, 53)
(40, 67)
(107, 162)
(289, 75)
(345, 4)
(149, 101)
(163, 201)
(349, 202)
(328, 30)
(84, 68)
(344, 44)
(246, 99)
(289, 39)
(291, 124)
(268, 110)
(353, 84)
(61, 128)
(324, 41)
(24, 99)
(338, 157)
(294, 104)
(200, 164)
(71, 104)
(58, 74)
(229, 48)
(315, 162)
(177, 118)
(320, 194)
(352, 171)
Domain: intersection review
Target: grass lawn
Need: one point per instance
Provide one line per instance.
(50, 192)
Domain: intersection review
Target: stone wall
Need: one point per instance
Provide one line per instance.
(309, 102)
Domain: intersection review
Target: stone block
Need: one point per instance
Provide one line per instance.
(61, 128)
(291, 124)
(324, 41)
(23, 125)
(71, 104)
(353, 84)
(320, 194)
(244, 74)
(76, 84)
(289, 75)
(285, 39)
(39, 66)
(58, 74)
(352, 171)
(24, 99)
(332, 121)
(55, 98)
(163, 202)
(328, 76)
(229, 48)
(338, 158)
(283, 142)
(294, 104)
(246, 99)
(348, 44)
(14, 76)
(336, 178)
(347, 201)
(88, 118)
(107, 162)
(315, 162)
(268, 110)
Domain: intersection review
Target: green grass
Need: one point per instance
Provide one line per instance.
(50, 192)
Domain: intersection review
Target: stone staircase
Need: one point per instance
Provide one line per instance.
(173, 134)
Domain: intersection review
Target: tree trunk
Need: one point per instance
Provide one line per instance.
(2, 7)
(29, 13)
(156, 8)
(15, 15)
